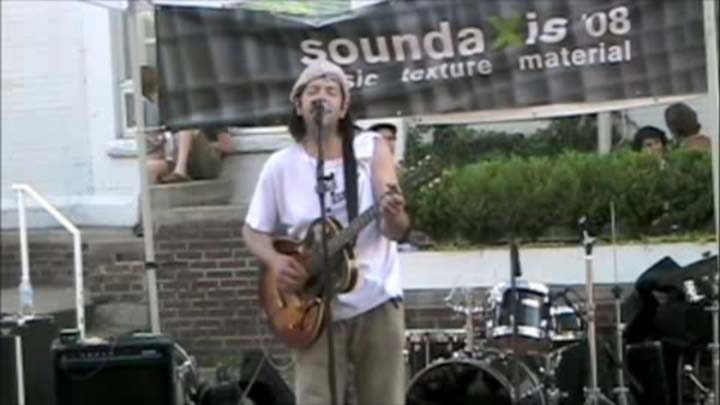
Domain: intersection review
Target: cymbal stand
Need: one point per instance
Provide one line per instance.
(468, 309)
(621, 390)
(703, 395)
(552, 392)
(593, 395)
(715, 346)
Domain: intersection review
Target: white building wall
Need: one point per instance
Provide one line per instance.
(43, 98)
(58, 113)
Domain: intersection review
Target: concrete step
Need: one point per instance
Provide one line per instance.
(191, 193)
(216, 213)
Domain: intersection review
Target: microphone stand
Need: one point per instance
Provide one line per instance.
(328, 293)
(621, 389)
(593, 395)
(514, 273)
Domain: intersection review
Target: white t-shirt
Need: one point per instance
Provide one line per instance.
(285, 203)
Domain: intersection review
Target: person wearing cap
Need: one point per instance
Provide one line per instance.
(368, 321)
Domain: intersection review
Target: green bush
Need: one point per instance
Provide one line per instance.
(526, 197)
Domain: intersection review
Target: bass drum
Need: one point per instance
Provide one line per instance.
(491, 378)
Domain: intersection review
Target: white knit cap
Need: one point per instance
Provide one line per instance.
(317, 69)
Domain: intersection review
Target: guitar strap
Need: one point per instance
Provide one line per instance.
(350, 173)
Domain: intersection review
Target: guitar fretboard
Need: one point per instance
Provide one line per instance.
(351, 231)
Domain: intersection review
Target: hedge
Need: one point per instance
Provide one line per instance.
(526, 197)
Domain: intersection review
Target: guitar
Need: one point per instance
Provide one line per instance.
(297, 318)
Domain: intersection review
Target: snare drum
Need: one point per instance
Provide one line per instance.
(532, 317)
(425, 346)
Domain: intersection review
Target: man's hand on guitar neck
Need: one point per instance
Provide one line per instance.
(394, 219)
(291, 276)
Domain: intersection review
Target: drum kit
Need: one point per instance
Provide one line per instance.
(537, 348)
(534, 347)
(539, 365)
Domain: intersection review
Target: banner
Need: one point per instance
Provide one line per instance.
(429, 57)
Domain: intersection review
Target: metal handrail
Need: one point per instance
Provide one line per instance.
(77, 247)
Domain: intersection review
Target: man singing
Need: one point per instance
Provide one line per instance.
(368, 322)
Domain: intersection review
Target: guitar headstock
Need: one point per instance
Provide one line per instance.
(425, 172)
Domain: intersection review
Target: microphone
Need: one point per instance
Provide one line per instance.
(320, 107)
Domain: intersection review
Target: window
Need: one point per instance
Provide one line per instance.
(123, 63)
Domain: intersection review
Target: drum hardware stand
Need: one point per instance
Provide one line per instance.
(715, 346)
(468, 310)
(515, 272)
(621, 390)
(705, 396)
(552, 391)
(593, 395)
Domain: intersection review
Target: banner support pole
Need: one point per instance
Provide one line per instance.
(711, 53)
(137, 60)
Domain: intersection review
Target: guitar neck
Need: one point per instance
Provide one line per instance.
(410, 181)
(353, 230)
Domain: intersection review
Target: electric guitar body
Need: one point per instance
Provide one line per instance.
(297, 318)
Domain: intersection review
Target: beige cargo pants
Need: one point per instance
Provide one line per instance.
(373, 344)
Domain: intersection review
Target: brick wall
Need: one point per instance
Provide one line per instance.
(50, 262)
(113, 271)
(207, 286)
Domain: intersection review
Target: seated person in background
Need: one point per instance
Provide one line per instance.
(198, 155)
(650, 140)
(154, 136)
(683, 123)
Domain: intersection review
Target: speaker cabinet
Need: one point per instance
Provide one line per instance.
(130, 370)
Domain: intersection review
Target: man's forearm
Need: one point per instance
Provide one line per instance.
(259, 244)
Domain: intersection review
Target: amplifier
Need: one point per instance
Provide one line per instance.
(147, 369)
